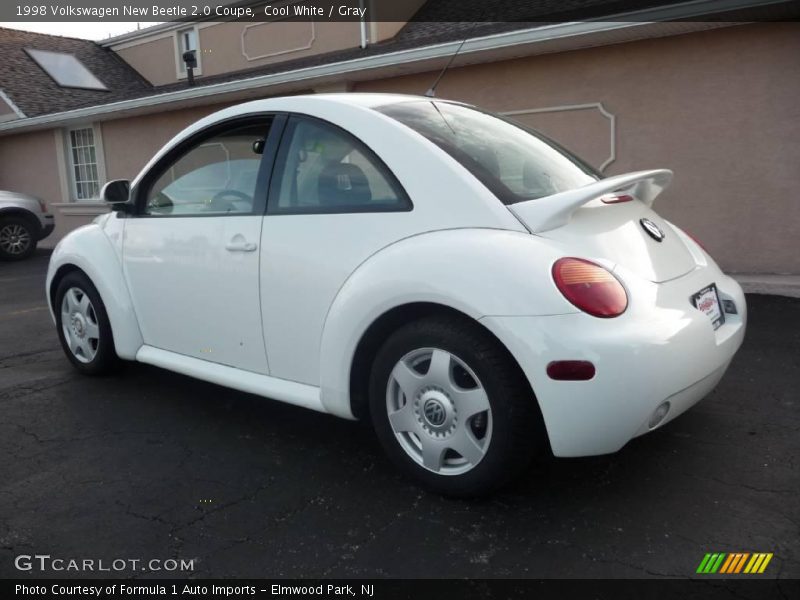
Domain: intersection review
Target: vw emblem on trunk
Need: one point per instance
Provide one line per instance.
(653, 230)
(434, 412)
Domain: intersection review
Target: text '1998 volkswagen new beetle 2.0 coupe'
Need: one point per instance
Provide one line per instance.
(472, 288)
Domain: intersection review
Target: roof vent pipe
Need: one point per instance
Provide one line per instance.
(190, 60)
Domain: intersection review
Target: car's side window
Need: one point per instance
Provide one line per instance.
(321, 168)
(216, 176)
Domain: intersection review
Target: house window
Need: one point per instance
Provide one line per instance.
(83, 156)
(187, 40)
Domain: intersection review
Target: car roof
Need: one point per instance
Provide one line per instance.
(372, 100)
(364, 99)
(360, 101)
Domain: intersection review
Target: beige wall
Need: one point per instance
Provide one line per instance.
(380, 30)
(235, 46)
(28, 164)
(228, 47)
(720, 108)
(155, 60)
(130, 143)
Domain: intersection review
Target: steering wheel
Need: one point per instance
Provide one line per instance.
(221, 203)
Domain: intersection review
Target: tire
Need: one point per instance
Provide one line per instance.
(435, 376)
(83, 326)
(18, 238)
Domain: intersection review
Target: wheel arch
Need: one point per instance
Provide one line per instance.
(415, 277)
(88, 250)
(59, 274)
(388, 322)
(23, 213)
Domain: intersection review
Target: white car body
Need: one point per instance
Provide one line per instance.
(285, 321)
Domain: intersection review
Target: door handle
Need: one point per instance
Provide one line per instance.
(241, 246)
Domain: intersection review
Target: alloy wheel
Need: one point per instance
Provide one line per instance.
(15, 239)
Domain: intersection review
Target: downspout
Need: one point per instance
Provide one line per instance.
(363, 24)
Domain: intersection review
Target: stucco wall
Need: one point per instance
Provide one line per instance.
(154, 59)
(228, 47)
(28, 164)
(720, 108)
(130, 143)
(383, 29)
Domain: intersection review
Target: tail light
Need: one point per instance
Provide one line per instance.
(616, 198)
(590, 287)
(43, 206)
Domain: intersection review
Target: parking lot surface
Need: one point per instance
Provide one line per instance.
(147, 464)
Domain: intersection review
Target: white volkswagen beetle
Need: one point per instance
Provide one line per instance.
(475, 290)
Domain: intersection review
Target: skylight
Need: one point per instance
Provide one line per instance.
(66, 70)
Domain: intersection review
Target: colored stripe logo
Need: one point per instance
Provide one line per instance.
(734, 563)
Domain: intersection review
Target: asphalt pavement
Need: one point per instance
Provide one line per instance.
(147, 464)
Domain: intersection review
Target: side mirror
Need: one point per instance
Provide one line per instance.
(116, 194)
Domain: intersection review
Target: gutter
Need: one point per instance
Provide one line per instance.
(474, 46)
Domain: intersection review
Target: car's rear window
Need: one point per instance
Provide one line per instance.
(514, 162)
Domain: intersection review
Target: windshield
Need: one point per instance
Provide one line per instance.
(515, 163)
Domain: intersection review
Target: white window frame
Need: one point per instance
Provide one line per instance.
(180, 70)
(99, 161)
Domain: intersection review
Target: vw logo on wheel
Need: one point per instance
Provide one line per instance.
(434, 412)
(653, 230)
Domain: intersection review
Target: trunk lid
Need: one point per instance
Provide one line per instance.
(626, 233)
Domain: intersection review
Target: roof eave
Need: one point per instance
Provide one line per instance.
(418, 59)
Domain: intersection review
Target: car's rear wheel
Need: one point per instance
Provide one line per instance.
(451, 408)
(83, 326)
(17, 238)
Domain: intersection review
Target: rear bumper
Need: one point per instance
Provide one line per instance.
(660, 350)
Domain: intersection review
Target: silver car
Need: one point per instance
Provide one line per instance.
(24, 221)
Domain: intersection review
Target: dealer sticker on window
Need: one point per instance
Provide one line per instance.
(707, 302)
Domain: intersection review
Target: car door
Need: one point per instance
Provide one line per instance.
(332, 204)
(191, 251)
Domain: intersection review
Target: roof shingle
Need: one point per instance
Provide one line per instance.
(36, 93)
(437, 21)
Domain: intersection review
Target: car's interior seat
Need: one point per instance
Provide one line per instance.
(343, 184)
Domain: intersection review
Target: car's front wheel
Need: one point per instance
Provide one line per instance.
(17, 238)
(451, 408)
(83, 326)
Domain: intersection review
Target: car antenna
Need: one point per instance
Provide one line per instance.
(431, 93)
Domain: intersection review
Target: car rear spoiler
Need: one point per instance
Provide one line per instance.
(551, 212)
